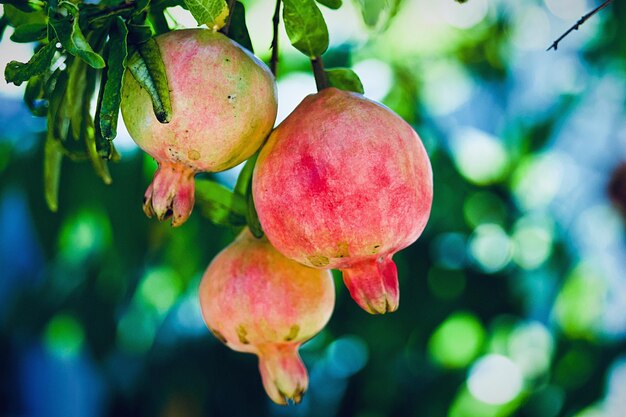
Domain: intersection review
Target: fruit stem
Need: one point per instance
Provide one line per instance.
(321, 82)
(275, 21)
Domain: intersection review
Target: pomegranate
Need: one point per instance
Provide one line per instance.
(223, 107)
(256, 300)
(344, 183)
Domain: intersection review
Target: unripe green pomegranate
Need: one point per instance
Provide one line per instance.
(343, 182)
(223, 107)
(256, 300)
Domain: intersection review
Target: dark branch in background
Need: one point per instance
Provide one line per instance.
(582, 20)
(231, 6)
(321, 82)
(275, 20)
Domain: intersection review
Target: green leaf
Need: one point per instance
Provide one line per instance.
(244, 189)
(245, 176)
(305, 27)
(34, 96)
(97, 161)
(238, 30)
(138, 34)
(220, 205)
(252, 217)
(116, 66)
(212, 13)
(378, 14)
(344, 79)
(147, 67)
(24, 5)
(18, 72)
(71, 37)
(4, 22)
(331, 4)
(53, 157)
(18, 17)
(75, 94)
(30, 32)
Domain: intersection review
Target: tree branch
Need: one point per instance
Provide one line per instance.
(582, 20)
(275, 20)
(321, 82)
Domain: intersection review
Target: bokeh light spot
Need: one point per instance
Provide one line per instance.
(347, 356)
(479, 156)
(160, 289)
(484, 207)
(449, 250)
(495, 379)
(490, 247)
(531, 347)
(457, 341)
(64, 336)
(578, 308)
(532, 240)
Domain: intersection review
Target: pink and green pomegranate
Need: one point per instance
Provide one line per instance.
(223, 107)
(344, 183)
(256, 300)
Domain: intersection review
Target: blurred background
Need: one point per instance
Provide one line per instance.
(513, 301)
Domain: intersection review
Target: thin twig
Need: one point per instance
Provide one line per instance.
(274, 58)
(582, 20)
(321, 81)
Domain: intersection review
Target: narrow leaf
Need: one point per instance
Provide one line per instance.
(244, 189)
(71, 37)
(252, 219)
(344, 79)
(238, 30)
(220, 205)
(147, 67)
(97, 161)
(75, 96)
(34, 96)
(212, 13)
(331, 4)
(245, 176)
(53, 157)
(116, 65)
(305, 27)
(18, 72)
(30, 32)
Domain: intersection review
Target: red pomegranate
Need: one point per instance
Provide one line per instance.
(345, 183)
(256, 300)
(223, 107)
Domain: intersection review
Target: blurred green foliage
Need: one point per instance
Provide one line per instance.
(511, 302)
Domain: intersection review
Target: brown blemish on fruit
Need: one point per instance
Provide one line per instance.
(193, 155)
(375, 249)
(242, 333)
(219, 336)
(343, 250)
(293, 333)
(318, 260)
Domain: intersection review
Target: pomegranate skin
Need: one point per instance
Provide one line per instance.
(255, 300)
(223, 107)
(344, 183)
